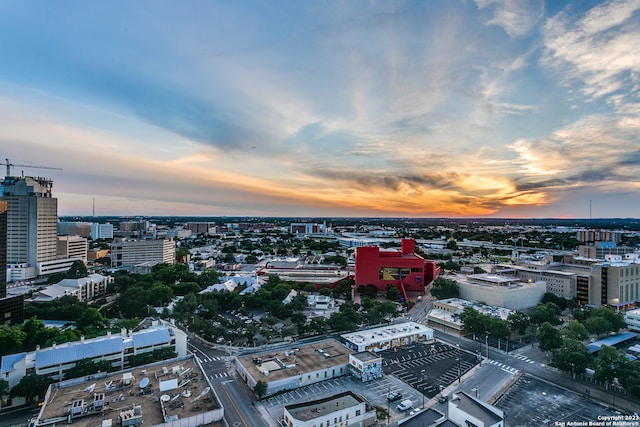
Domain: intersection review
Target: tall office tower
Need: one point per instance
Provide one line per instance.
(32, 217)
(11, 308)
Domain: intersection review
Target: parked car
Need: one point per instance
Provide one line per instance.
(393, 396)
(443, 398)
(405, 405)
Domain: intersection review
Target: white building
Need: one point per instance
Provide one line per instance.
(344, 409)
(54, 361)
(135, 252)
(464, 410)
(501, 291)
(632, 319)
(387, 337)
(101, 231)
(84, 289)
(446, 312)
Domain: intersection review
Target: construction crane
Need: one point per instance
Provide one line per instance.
(9, 165)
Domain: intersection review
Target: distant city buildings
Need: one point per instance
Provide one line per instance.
(129, 253)
(72, 247)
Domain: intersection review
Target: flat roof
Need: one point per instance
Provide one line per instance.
(386, 333)
(322, 407)
(476, 409)
(460, 304)
(611, 341)
(300, 360)
(178, 400)
(366, 356)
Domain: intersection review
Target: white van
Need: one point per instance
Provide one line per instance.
(405, 405)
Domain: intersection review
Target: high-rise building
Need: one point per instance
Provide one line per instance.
(32, 219)
(132, 252)
(12, 307)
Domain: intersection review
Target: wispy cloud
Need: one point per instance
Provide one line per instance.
(516, 17)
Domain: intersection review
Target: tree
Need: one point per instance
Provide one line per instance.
(518, 322)
(576, 330)
(542, 313)
(4, 388)
(11, 339)
(393, 293)
(609, 364)
(260, 389)
(549, 337)
(615, 319)
(159, 295)
(88, 367)
(91, 319)
(30, 386)
(597, 325)
(77, 270)
(572, 356)
(499, 328)
(475, 321)
(445, 288)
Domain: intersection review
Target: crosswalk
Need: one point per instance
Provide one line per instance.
(504, 367)
(209, 359)
(525, 358)
(219, 375)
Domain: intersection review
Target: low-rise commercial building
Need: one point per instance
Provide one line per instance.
(298, 367)
(365, 366)
(344, 409)
(171, 393)
(446, 313)
(465, 410)
(387, 337)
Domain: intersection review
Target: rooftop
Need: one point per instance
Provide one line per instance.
(476, 409)
(384, 333)
(366, 356)
(322, 407)
(296, 361)
(176, 387)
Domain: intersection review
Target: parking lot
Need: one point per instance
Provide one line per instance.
(531, 402)
(428, 368)
(416, 371)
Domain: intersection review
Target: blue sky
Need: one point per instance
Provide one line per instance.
(313, 108)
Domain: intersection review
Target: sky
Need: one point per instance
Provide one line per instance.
(459, 108)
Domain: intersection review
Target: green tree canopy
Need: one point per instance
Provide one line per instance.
(518, 322)
(609, 364)
(548, 312)
(393, 293)
(597, 325)
(572, 356)
(78, 270)
(445, 288)
(30, 386)
(576, 330)
(260, 389)
(549, 337)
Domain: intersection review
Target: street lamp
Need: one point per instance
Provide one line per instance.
(458, 359)
(486, 341)
(422, 387)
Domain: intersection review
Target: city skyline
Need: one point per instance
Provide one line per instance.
(483, 108)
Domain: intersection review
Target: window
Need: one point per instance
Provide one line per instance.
(357, 412)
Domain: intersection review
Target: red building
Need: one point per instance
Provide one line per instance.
(403, 269)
